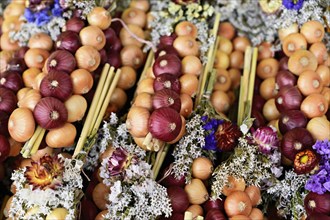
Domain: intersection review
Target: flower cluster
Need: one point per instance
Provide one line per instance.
(133, 192)
(42, 12)
(42, 200)
(249, 163)
(84, 6)
(320, 181)
(167, 14)
(289, 194)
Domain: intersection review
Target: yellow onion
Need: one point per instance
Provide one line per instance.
(197, 192)
(63, 136)
(202, 168)
(21, 124)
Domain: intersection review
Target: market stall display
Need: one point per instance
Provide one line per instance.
(175, 109)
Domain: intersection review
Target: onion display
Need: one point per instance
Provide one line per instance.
(61, 60)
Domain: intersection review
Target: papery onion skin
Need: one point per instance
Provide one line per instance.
(61, 60)
(112, 41)
(294, 141)
(21, 124)
(50, 113)
(285, 78)
(166, 98)
(8, 100)
(167, 81)
(11, 80)
(167, 40)
(74, 24)
(56, 84)
(215, 214)
(166, 49)
(68, 40)
(168, 178)
(214, 204)
(167, 64)
(165, 124)
(316, 203)
(238, 203)
(17, 64)
(288, 98)
(179, 199)
(291, 119)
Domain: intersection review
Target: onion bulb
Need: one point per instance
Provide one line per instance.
(92, 36)
(5, 148)
(270, 111)
(35, 57)
(132, 55)
(41, 41)
(202, 168)
(63, 136)
(238, 203)
(302, 60)
(99, 17)
(220, 101)
(319, 127)
(76, 106)
(137, 121)
(227, 30)
(317, 203)
(189, 84)
(234, 184)
(99, 195)
(88, 58)
(82, 81)
(178, 198)
(241, 43)
(314, 105)
(313, 31)
(197, 192)
(186, 45)
(8, 100)
(134, 16)
(192, 65)
(293, 42)
(127, 78)
(254, 194)
(267, 68)
(309, 82)
(186, 28)
(21, 124)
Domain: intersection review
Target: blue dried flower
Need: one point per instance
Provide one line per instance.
(320, 182)
(29, 15)
(211, 127)
(42, 18)
(293, 4)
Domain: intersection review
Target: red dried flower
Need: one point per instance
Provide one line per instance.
(227, 136)
(306, 161)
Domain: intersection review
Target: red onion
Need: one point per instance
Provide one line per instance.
(167, 40)
(259, 119)
(215, 214)
(168, 179)
(285, 78)
(167, 49)
(21, 52)
(68, 40)
(294, 141)
(166, 98)
(167, 81)
(61, 60)
(8, 100)
(4, 123)
(17, 64)
(174, 216)
(165, 124)
(114, 59)
(112, 41)
(214, 204)
(291, 119)
(88, 209)
(318, 216)
(5, 148)
(74, 24)
(56, 84)
(167, 64)
(257, 84)
(258, 102)
(11, 80)
(179, 199)
(315, 203)
(104, 56)
(50, 113)
(284, 63)
(288, 98)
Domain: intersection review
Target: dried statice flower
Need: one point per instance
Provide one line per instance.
(246, 162)
(85, 6)
(190, 147)
(44, 200)
(320, 181)
(289, 195)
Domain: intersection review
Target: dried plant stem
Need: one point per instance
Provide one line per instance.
(32, 145)
(159, 160)
(91, 112)
(252, 78)
(210, 62)
(244, 85)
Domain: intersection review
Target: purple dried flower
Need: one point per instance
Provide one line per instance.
(117, 161)
(293, 4)
(266, 138)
